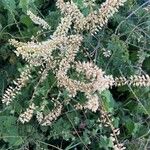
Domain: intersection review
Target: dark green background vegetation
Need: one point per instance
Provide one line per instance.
(127, 36)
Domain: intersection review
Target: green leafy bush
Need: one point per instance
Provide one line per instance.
(121, 48)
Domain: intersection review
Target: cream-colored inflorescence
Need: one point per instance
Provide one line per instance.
(89, 3)
(67, 40)
(95, 20)
(38, 20)
(139, 81)
(12, 91)
(64, 26)
(34, 52)
(68, 45)
(135, 80)
(47, 119)
(92, 103)
(27, 115)
(97, 79)
(71, 9)
(106, 53)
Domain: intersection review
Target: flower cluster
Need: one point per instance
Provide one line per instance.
(107, 121)
(91, 104)
(135, 80)
(89, 3)
(47, 119)
(63, 27)
(68, 45)
(99, 81)
(18, 84)
(27, 115)
(139, 81)
(95, 20)
(71, 9)
(38, 20)
(106, 53)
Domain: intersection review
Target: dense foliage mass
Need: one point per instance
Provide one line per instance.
(74, 74)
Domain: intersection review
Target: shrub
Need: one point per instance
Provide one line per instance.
(72, 79)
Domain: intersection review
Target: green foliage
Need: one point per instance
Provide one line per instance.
(9, 5)
(129, 106)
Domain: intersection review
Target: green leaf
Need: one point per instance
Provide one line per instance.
(9, 5)
(9, 130)
(24, 4)
(86, 138)
(108, 100)
(105, 142)
(26, 21)
(130, 126)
